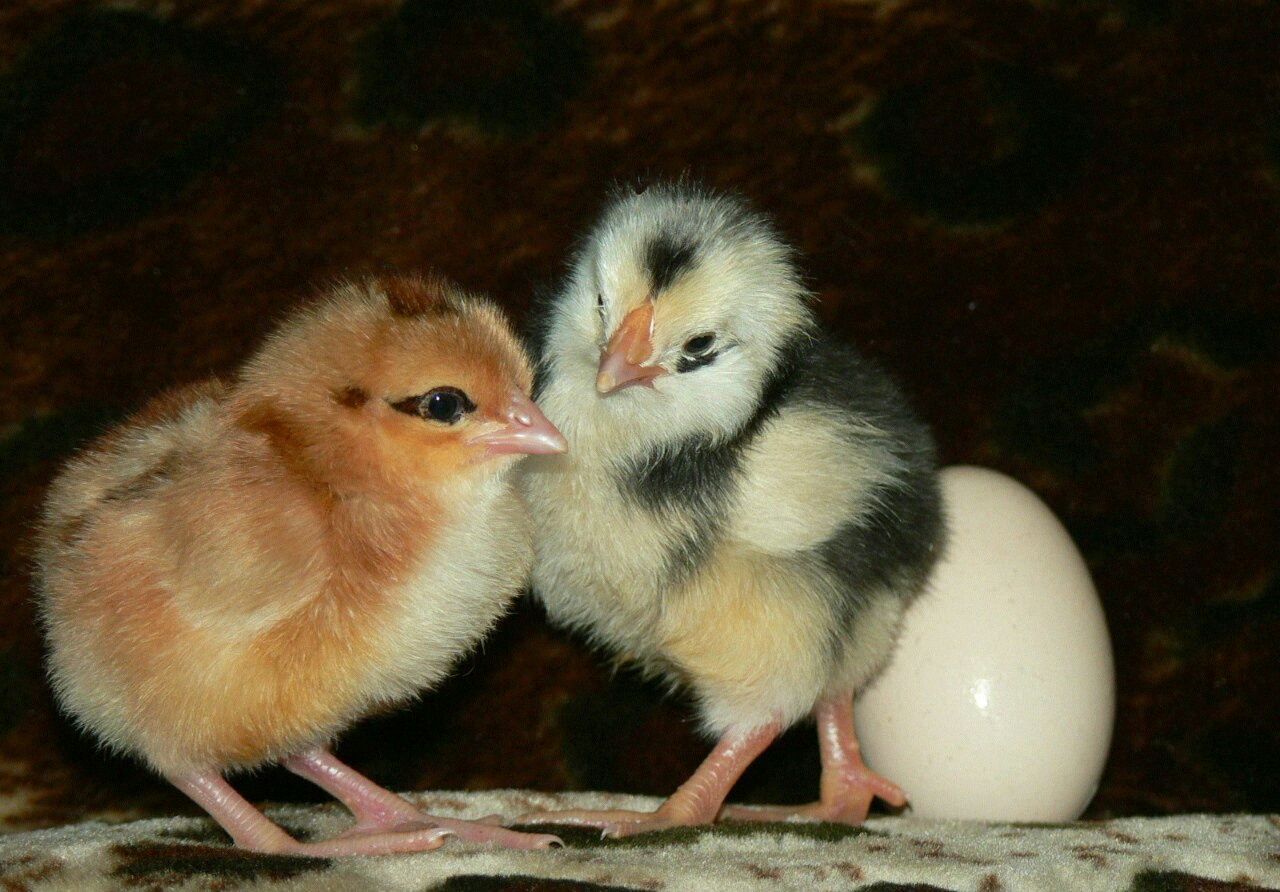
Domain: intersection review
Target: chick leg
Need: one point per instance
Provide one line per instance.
(697, 801)
(847, 785)
(250, 829)
(378, 809)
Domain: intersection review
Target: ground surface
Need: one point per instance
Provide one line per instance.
(1184, 853)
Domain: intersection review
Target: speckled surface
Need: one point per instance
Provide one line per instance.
(1181, 853)
(1057, 222)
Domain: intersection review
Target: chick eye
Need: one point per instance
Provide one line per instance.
(600, 303)
(699, 344)
(443, 404)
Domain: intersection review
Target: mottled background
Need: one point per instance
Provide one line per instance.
(1056, 221)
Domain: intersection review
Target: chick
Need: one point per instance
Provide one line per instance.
(244, 569)
(746, 508)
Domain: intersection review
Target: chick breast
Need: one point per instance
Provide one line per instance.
(764, 570)
(206, 608)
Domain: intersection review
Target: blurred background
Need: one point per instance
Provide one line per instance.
(1058, 222)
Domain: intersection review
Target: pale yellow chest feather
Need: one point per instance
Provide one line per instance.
(601, 561)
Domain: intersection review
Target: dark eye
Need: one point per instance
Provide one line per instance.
(700, 344)
(443, 404)
(600, 302)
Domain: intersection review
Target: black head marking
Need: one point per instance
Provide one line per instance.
(667, 258)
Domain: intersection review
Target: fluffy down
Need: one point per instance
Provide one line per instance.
(746, 508)
(243, 569)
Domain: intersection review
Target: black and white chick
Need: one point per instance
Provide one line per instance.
(745, 508)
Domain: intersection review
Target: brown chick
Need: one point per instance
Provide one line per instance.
(240, 571)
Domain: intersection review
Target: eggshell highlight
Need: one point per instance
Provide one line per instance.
(999, 700)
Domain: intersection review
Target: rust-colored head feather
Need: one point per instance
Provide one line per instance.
(330, 386)
(415, 295)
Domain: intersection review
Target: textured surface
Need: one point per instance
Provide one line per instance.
(1056, 221)
(1185, 852)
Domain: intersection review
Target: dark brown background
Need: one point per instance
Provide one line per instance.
(1056, 221)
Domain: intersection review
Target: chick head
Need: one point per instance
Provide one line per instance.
(398, 379)
(682, 302)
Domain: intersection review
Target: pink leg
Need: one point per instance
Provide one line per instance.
(250, 829)
(379, 809)
(697, 801)
(848, 785)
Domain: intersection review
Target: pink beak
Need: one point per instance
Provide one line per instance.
(528, 432)
(632, 344)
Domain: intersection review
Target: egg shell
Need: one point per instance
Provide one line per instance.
(999, 700)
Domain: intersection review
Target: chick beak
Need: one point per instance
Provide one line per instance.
(527, 431)
(631, 345)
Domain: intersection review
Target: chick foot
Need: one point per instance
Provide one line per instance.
(252, 831)
(847, 785)
(393, 843)
(697, 801)
(846, 799)
(378, 810)
(407, 822)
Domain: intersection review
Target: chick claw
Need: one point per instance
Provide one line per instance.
(421, 839)
(695, 802)
(377, 809)
(486, 830)
(615, 823)
(846, 799)
(848, 785)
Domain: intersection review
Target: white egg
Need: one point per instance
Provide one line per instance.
(999, 700)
